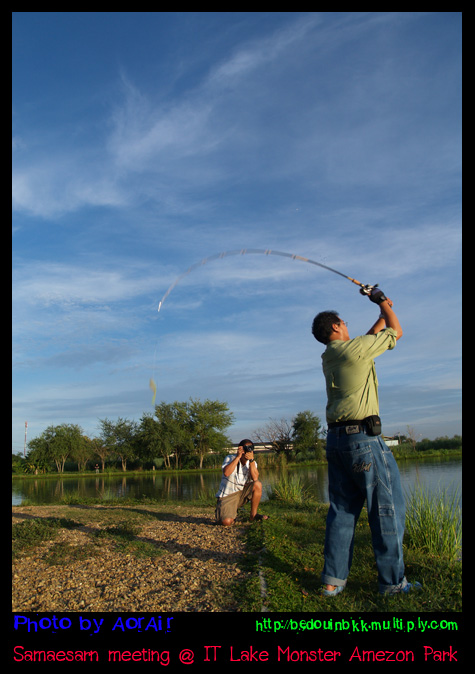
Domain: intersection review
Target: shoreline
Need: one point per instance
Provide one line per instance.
(428, 454)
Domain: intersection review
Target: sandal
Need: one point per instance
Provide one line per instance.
(333, 593)
(259, 518)
(403, 589)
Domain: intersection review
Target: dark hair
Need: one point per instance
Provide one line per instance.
(245, 442)
(322, 326)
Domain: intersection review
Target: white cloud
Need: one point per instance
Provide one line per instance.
(55, 283)
(329, 135)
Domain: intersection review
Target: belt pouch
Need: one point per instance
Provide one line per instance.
(373, 425)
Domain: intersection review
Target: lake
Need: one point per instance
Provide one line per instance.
(431, 473)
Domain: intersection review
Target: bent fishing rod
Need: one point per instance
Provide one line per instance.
(365, 289)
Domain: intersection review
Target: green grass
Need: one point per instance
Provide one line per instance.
(123, 534)
(30, 533)
(434, 522)
(288, 551)
(293, 491)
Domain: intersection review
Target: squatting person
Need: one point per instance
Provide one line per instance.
(360, 465)
(239, 484)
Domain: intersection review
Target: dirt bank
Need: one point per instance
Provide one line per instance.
(171, 559)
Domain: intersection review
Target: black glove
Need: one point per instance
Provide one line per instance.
(377, 296)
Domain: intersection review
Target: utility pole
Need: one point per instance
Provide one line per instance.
(24, 446)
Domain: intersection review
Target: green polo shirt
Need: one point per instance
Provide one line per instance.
(350, 374)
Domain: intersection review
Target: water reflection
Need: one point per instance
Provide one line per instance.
(433, 474)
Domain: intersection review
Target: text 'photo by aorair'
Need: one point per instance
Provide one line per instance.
(219, 641)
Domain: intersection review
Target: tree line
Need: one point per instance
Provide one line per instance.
(178, 434)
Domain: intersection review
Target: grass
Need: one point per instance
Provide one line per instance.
(123, 534)
(30, 533)
(288, 550)
(62, 553)
(291, 491)
(434, 522)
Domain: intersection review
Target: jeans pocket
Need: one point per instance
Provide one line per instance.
(387, 517)
(362, 465)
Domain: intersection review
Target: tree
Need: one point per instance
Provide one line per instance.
(120, 437)
(18, 463)
(173, 435)
(148, 442)
(82, 453)
(207, 422)
(306, 431)
(278, 434)
(183, 428)
(412, 437)
(101, 450)
(56, 444)
(36, 460)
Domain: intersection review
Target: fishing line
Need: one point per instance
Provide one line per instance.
(364, 289)
(256, 251)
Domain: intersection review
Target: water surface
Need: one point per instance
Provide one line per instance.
(433, 474)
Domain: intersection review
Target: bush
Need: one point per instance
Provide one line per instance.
(439, 443)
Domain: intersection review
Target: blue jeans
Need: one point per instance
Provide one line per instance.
(361, 467)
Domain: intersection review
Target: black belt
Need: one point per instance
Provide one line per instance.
(337, 424)
(370, 425)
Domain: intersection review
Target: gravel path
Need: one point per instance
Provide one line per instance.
(178, 560)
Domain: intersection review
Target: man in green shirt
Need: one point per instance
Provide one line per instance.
(360, 465)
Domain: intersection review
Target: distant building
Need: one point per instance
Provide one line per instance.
(262, 447)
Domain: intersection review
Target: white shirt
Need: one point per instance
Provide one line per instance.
(236, 481)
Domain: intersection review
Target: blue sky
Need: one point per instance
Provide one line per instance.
(144, 142)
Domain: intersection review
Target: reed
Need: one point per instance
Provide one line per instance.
(292, 491)
(434, 522)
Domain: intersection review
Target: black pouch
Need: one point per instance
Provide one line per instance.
(373, 425)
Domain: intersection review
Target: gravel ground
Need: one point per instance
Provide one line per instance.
(179, 560)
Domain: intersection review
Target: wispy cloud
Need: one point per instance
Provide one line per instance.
(70, 284)
(61, 181)
(223, 123)
(332, 135)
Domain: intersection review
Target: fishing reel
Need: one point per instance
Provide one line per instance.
(367, 289)
(373, 292)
